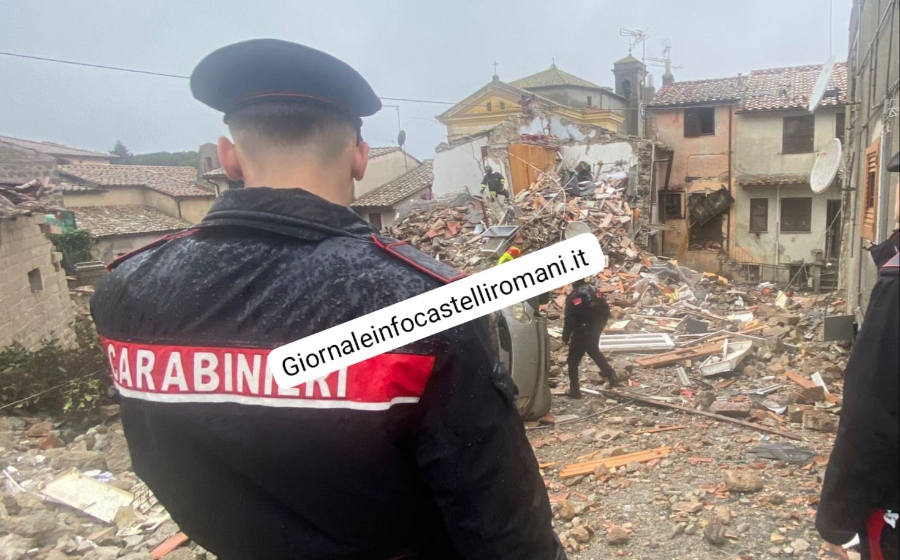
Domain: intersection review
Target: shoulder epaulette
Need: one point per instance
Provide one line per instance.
(417, 259)
(161, 241)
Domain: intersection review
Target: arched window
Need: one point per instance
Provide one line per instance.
(626, 88)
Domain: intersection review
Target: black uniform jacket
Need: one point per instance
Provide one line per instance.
(586, 312)
(417, 453)
(863, 473)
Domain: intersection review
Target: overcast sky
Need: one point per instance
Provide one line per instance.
(420, 49)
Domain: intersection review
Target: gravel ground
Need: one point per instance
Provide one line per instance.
(661, 510)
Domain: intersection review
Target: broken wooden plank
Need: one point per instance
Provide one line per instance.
(676, 356)
(650, 402)
(168, 545)
(578, 469)
(659, 430)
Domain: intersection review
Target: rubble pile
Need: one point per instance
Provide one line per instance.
(696, 455)
(23, 200)
(455, 234)
(68, 495)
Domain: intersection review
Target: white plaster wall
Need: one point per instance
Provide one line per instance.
(792, 247)
(460, 167)
(759, 140)
(610, 154)
(556, 127)
(383, 169)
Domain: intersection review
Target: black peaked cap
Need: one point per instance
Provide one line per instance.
(263, 70)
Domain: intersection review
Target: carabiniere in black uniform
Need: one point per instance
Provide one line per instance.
(415, 454)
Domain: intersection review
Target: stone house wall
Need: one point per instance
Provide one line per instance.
(34, 295)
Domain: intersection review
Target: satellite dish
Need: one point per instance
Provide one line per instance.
(576, 228)
(401, 138)
(821, 86)
(826, 167)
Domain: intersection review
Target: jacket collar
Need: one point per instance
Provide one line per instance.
(293, 212)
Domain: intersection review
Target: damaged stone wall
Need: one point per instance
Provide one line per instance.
(34, 295)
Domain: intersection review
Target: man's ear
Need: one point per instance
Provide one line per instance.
(228, 159)
(360, 161)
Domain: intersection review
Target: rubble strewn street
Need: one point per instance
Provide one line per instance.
(631, 473)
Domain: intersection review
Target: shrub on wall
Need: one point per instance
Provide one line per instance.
(54, 380)
(75, 247)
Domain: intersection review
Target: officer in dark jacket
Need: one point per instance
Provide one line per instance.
(861, 492)
(414, 454)
(493, 182)
(586, 316)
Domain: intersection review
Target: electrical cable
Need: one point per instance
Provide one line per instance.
(178, 76)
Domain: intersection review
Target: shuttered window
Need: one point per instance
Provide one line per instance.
(796, 215)
(870, 192)
(759, 215)
(799, 135)
(839, 126)
(699, 121)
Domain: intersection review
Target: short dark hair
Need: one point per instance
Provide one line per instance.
(261, 125)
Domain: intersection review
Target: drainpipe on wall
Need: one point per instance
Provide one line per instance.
(178, 203)
(215, 185)
(777, 229)
(885, 209)
(729, 239)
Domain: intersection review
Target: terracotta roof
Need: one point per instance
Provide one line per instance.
(552, 77)
(106, 221)
(778, 179)
(697, 91)
(52, 149)
(790, 88)
(400, 188)
(173, 181)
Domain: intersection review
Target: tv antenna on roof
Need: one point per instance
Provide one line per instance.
(822, 83)
(637, 37)
(828, 162)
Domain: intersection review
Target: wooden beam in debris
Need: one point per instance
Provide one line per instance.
(578, 469)
(650, 402)
(676, 356)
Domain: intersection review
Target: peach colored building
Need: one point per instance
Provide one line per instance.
(738, 198)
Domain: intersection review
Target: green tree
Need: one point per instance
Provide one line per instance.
(120, 150)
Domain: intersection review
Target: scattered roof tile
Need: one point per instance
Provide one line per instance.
(173, 181)
(400, 188)
(553, 76)
(698, 91)
(52, 149)
(771, 180)
(106, 221)
(790, 88)
(27, 199)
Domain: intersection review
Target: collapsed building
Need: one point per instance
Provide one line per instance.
(538, 146)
